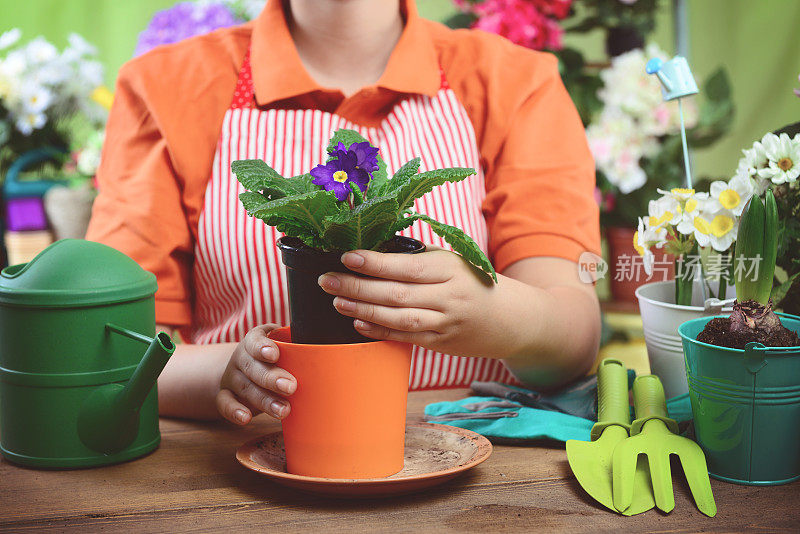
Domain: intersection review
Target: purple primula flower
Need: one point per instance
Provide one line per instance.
(184, 20)
(366, 155)
(339, 172)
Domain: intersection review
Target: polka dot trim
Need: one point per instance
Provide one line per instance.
(244, 94)
(443, 84)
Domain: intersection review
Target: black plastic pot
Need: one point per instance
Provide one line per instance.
(313, 318)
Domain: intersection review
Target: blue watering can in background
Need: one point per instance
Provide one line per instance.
(675, 76)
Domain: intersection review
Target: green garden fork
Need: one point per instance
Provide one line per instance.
(656, 436)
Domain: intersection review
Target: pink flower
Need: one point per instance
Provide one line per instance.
(529, 23)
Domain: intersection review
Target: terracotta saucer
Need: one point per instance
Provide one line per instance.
(434, 454)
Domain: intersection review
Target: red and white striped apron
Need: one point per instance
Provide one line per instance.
(240, 280)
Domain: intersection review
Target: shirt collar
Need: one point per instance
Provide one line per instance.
(278, 72)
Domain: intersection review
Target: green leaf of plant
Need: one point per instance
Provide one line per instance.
(717, 87)
(779, 292)
(414, 186)
(402, 224)
(402, 176)
(347, 138)
(298, 216)
(344, 136)
(256, 175)
(364, 227)
(358, 195)
(462, 244)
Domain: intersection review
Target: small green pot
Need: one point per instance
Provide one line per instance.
(746, 406)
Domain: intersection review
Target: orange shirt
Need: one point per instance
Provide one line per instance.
(170, 103)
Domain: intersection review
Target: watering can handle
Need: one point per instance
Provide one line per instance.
(14, 188)
(650, 403)
(612, 397)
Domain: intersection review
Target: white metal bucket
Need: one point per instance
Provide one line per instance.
(661, 318)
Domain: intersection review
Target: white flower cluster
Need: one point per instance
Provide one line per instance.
(680, 215)
(633, 120)
(773, 160)
(712, 219)
(37, 83)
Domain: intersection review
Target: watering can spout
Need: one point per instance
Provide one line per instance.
(146, 374)
(109, 418)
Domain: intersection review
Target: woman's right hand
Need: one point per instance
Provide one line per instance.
(252, 382)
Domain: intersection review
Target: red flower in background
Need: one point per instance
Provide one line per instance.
(529, 23)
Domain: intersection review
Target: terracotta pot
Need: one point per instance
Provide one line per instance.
(348, 413)
(625, 268)
(313, 319)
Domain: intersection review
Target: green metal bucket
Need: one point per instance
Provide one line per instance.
(746, 406)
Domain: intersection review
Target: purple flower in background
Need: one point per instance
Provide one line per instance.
(340, 172)
(182, 21)
(366, 155)
(797, 91)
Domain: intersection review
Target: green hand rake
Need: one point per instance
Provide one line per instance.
(655, 435)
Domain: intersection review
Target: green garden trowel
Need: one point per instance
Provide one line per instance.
(591, 460)
(655, 436)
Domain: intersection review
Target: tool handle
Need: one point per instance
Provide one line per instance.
(612, 396)
(649, 403)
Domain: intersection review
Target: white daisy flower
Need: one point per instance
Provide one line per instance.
(731, 195)
(784, 159)
(40, 51)
(9, 87)
(755, 159)
(34, 98)
(9, 38)
(80, 45)
(15, 63)
(28, 122)
(718, 229)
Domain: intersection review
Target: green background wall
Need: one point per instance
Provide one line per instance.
(755, 40)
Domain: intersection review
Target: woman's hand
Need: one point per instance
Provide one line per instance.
(434, 299)
(252, 382)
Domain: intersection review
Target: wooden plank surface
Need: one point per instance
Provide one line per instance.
(193, 483)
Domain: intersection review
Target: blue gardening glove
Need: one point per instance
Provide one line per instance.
(578, 398)
(500, 420)
(496, 417)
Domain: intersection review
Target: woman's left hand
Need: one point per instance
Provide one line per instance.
(434, 299)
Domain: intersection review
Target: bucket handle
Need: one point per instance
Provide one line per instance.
(755, 357)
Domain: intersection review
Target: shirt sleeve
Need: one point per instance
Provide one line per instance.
(139, 210)
(540, 185)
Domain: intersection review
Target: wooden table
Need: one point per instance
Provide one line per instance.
(192, 482)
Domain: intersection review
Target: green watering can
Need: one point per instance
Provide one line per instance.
(75, 390)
